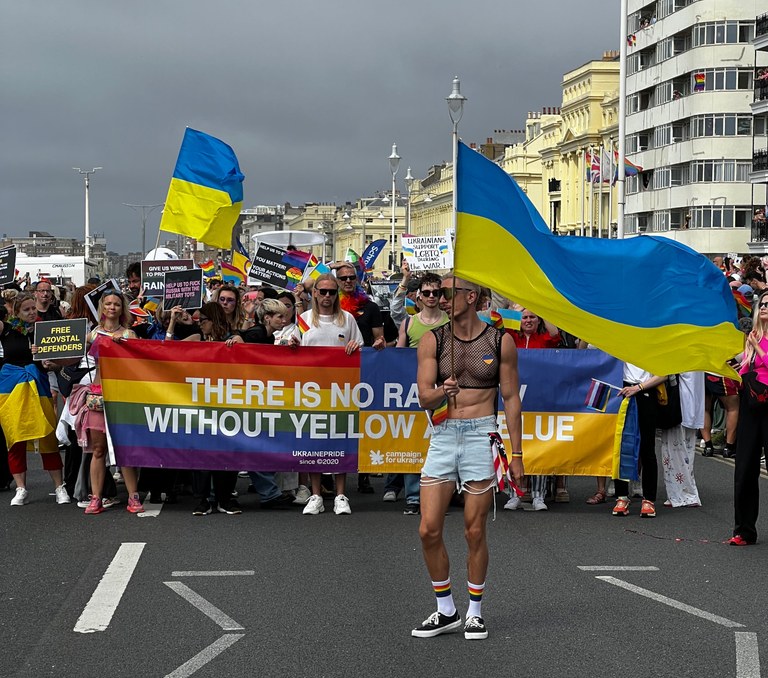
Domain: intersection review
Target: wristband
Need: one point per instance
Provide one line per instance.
(168, 335)
(516, 455)
(640, 386)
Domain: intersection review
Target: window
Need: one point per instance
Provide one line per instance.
(723, 32)
(633, 104)
(632, 184)
(630, 222)
(678, 175)
(662, 178)
(720, 216)
(662, 136)
(721, 125)
(661, 220)
(720, 170)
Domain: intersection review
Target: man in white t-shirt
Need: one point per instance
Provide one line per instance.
(326, 324)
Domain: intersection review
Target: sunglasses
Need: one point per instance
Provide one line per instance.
(346, 278)
(326, 292)
(763, 304)
(226, 300)
(447, 292)
(430, 293)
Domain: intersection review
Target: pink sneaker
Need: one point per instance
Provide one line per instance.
(94, 506)
(134, 505)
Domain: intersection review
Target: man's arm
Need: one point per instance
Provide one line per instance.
(402, 335)
(509, 386)
(430, 396)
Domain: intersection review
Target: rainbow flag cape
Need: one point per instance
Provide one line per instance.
(231, 274)
(206, 192)
(209, 268)
(644, 320)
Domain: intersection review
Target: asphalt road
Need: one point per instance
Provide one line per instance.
(338, 595)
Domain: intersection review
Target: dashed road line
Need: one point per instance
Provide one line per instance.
(213, 573)
(747, 655)
(618, 568)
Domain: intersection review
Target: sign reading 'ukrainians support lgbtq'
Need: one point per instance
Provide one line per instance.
(274, 408)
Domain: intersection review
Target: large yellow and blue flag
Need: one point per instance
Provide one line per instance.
(206, 192)
(647, 300)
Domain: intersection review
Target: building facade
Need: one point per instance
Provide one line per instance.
(690, 83)
(758, 243)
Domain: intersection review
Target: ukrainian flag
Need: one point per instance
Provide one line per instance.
(26, 410)
(206, 193)
(647, 300)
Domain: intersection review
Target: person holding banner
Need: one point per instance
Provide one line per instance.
(462, 368)
(86, 404)
(228, 297)
(26, 410)
(326, 324)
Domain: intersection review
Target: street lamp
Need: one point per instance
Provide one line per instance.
(408, 184)
(455, 109)
(394, 163)
(146, 210)
(87, 174)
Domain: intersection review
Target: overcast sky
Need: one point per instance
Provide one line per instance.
(311, 94)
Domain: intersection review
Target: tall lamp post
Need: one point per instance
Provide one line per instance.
(87, 174)
(455, 109)
(408, 185)
(146, 210)
(394, 163)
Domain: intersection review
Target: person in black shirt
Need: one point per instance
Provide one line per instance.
(44, 302)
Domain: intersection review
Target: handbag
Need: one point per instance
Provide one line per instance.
(69, 376)
(94, 401)
(669, 412)
(754, 390)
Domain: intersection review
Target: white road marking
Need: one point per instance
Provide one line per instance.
(618, 568)
(151, 512)
(213, 573)
(105, 599)
(208, 609)
(206, 655)
(672, 603)
(747, 655)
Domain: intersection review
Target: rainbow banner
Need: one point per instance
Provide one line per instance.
(274, 408)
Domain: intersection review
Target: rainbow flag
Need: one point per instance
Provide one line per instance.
(743, 305)
(630, 169)
(206, 192)
(699, 82)
(231, 274)
(303, 325)
(643, 321)
(439, 414)
(157, 418)
(209, 268)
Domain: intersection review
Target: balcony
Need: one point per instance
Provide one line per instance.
(760, 161)
(759, 227)
(760, 40)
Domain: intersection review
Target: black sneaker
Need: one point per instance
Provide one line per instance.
(281, 502)
(436, 624)
(204, 508)
(729, 451)
(411, 510)
(230, 507)
(474, 629)
(708, 450)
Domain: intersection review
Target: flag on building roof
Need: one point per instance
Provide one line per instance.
(209, 268)
(639, 316)
(206, 192)
(231, 274)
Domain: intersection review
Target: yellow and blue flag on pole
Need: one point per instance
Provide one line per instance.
(206, 192)
(647, 300)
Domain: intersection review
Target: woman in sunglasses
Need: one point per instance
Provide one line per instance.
(228, 297)
(752, 432)
(327, 324)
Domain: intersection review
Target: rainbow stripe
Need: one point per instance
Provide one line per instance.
(209, 268)
(214, 408)
(231, 274)
(440, 413)
(475, 592)
(303, 325)
(442, 590)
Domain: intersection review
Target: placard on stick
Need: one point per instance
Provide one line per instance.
(277, 267)
(92, 298)
(183, 288)
(153, 274)
(57, 339)
(7, 264)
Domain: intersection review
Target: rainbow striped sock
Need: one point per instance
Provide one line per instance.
(445, 604)
(475, 599)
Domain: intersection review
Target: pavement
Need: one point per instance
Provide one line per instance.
(290, 595)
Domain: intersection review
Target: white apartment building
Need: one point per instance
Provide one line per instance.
(691, 73)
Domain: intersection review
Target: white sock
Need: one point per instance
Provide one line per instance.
(475, 599)
(444, 597)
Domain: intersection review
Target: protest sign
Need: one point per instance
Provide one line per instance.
(60, 339)
(7, 264)
(183, 288)
(274, 408)
(278, 267)
(153, 274)
(428, 253)
(92, 298)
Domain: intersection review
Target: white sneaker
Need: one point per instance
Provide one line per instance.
(538, 504)
(610, 490)
(389, 495)
(513, 504)
(302, 495)
(341, 505)
(314, 505)
(61, 495)
(20, 498)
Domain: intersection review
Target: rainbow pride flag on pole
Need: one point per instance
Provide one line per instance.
(640, 317)
(231, 274)
(209, 268)
(206, 192)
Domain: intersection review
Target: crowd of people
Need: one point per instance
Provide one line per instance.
(336, 310)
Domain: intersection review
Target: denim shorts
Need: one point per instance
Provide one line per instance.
(460, 450)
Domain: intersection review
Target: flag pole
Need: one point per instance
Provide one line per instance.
(610, 187)
(622, 119)
(455, 109)
(591, 190)
(583, 187)
(600, 193)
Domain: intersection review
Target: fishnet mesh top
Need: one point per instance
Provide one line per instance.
(476, 360)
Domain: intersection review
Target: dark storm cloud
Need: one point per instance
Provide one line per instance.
(311, 94)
